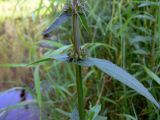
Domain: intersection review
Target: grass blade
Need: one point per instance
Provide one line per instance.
(152, 74)
(38, 91)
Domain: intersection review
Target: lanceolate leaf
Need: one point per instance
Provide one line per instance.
(60, 20)
(61, 57)
(112, 70)
(152, 75)
(14, 65)
(85, 62)
(37, 86)
(122, 76)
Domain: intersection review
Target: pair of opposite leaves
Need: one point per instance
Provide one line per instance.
(104, 65)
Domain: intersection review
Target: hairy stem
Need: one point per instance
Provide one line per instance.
(80, 92)
(76, 42)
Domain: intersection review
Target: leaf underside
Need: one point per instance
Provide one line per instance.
(59, 21)
(124, 77)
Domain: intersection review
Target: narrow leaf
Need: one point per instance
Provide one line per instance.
(61, 57)
(40, 61)
(122, 76)
(149, 3)
(14, 65)
(152, 74)
(145, 17)
(128, 117)
(83, 20)
(60, 20)
(37, 86)
(85, 62)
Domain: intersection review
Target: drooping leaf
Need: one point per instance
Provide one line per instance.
(60, 20)
(122, 76)
(115, 72)
(152, 74)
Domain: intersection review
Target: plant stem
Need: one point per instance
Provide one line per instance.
(76, 44)
(80, 92)
(76, 36)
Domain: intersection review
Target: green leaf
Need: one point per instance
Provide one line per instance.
(84, 23)
(94, 45)
(128, 117)
(139, 38)
(100, 118)
(122, 76)
(62, 112)
(152, 74)
(149, 3)
(58, 51)
(40, 61)
(61, 57)
(14, 65)
(145, 17)
(140, 52)
(37, 83)
(75, 114)
(50, 44)
(114, 71)
(94, 111)
(60, 20)
(85, 62)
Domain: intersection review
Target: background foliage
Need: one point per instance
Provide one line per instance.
(125, 32)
